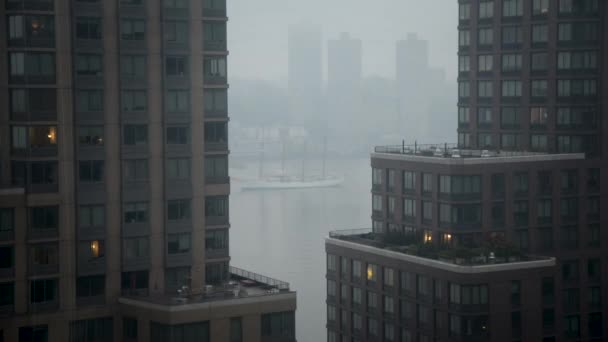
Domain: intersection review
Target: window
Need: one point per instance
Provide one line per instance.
(178, 168)
(539, 88)
(486, 9)
(89, 65)
(569, 181)
(132, 29)
(131, 3)
(484, 89)
(427, 182)
(468, 294)
(464, 63)
(25, 100)
(135, 170)
(544, 209)
(133, 65)
(539, 116)
(7, 257)
(572, 326)
(372, 327)
(177, 101)
(89, 100)
(511, 88)
(576, 88)
(31, 30)
(176, 32)
(427, 211)
(7, 294)
(215, 100)
(216, 239)
(377, 203)
(216, 206)
(594, 235)
(43, 291)
(540, 33)
(331, 289)
(176, 66)
(356, 296)
(409, 208)
(539, 61)
(129, 325)
(520, 183)
(214, 66)
(464, 11)
(484, 116)
(38, 333)
(88, 28)
(134, 100)
(511, 63)
(281, 324)
(578, 6)
(594, 297)
(389, 277)
(91, 286)
(509, 117)
(485, 63)
(377, 176)
(136, 248)
(577, 60)
(464, 89)
(216, 167)
(90, 250)
(569, 208)
(372, 273)
(37, 66)
(178, 135)
(512, 8)
(538, 142)
(98, 329)
(7, 220)
(578, 32)
(216, 132)
(90, 136)
(178, 243)
(593, 180)
(178, 210)
(135, 212)
(236, 329)
(91, 170)
(91, 216)
(135, 135)
(485, 36)
(464, 139)
(570, 270)
(137, 280)
(540, 7)
(409, 180)
(214, 35)
(34, 137)
(44, 218)
(390, 180)
(464, 38)
(511, 35)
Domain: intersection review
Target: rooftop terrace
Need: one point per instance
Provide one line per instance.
(462, 260)
(451, 154)
(242, 285)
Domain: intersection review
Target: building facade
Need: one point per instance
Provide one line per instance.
(527, 178)
(114, 179)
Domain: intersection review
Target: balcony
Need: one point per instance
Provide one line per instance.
(217, 180)
(216, 146)
(217, 220)
(217, 253)
(215, 45)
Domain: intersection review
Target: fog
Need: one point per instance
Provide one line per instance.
(284, 83)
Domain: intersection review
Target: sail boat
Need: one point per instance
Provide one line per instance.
(284, 181)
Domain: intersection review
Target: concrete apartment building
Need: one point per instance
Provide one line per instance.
(497, 238)
(114, 186)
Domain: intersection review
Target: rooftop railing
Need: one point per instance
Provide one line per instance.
(447, 150)
(280, 285)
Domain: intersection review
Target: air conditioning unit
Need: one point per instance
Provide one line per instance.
(455, 153)
(485, 154)
(438, 152)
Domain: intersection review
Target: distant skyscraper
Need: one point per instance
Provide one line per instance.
(304, 74)
(413, 81)
(342, 100)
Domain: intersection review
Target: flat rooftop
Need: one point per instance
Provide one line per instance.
(242, 286)
(452, 155)
(449, 259)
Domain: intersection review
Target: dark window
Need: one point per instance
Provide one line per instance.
(595, 324)
(498, 185)
(91, 286)
(134, 100)
(569, 181)
(178, 210)
(44, 217)
(236, 329)
(281, 324)
(183, 4)
(511, 35)
(570, 270)
(177, 101)
(192, 332)
(34, 334)
(545, 182)
(548, 291)
(178, 169)
(7, 220)
(91, 216)
(216, 239)
(216, 132)
(133, 65)
(129, 328)
(135, 212)
(215, 100)
(216, 206)
(43, 290)
(539, 61)
(178, 135)
(216, 167)
(135, 134)
(91, 330)
(178, 243)
(216, 273)
(7, 294)
(594, 269)
(137, 247)
(176, 65)
(176, 32)
(91, 170)
(88, 28)
(89, 65)
(89, 100)
(214, 35)
(90, 135)
(132, 29)
(7, 257)
(37, 66)
(134, 280)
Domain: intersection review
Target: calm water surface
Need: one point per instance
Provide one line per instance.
(280, 233)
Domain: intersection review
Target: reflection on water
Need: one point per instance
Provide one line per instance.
(280, 233)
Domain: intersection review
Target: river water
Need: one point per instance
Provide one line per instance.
(281, 233)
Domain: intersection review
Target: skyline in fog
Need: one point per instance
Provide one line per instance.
(258, 33)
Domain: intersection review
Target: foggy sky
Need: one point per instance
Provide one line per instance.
(257, 32)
